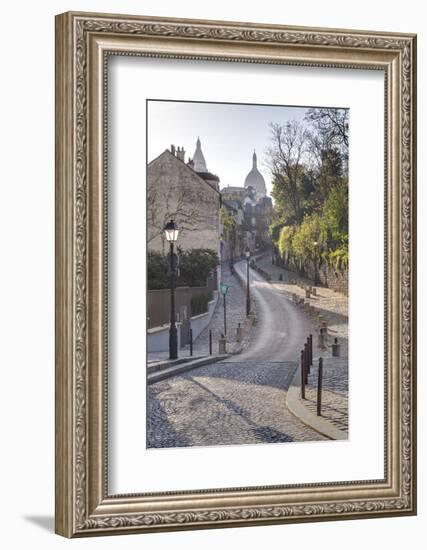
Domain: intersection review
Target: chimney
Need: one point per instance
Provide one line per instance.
(173, 149)
(190, 163)
(180, 153)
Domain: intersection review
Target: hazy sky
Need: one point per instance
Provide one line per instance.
(229, 134)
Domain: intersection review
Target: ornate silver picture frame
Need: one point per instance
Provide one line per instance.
(84, 43)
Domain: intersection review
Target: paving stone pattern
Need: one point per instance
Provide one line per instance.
(334, 391)
(228, 403)
(242, 400)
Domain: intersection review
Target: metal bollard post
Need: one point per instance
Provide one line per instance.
(222, 345)
(191, 342)
(210, 341)
(302, 375)
(310, 339)
(322, 338)
(306, 365)
(336, 348)
(308, 355)
(319, 387)
(239, 333)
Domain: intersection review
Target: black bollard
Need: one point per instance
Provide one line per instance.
(302, 375)
(191, 342)
(307, 366)
(319, 387)
(336, 348)
(310, 339)
(210, 341)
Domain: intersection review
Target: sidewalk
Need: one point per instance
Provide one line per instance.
(236, 313)
(333, 422)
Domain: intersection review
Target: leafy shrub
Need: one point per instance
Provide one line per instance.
(157, 271)
(195, 266)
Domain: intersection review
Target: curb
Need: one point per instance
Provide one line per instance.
(183, 367)
(298, 409)
(155, 366)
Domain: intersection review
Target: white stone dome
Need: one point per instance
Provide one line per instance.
(255, 179)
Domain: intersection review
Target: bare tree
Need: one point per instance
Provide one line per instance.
(332, 122)
(285, 160)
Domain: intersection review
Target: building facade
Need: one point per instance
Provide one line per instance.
(187, 193)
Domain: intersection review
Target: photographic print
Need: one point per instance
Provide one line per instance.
(209, 256)
(247, 274)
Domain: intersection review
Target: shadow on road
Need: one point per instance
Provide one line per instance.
(265, 434)
(157, 416)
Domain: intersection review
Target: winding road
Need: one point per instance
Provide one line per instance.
(241, 400)
(281, 328)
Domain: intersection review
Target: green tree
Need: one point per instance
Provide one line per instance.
(309, 163)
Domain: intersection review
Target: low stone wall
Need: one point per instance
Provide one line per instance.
(158, 304)
(332, 278)
(198, 323)
(158, 338)
(336, 279)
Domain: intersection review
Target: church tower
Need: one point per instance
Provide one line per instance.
(199, 159)
(198, 164)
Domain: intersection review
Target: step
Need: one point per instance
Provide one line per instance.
(183, 367)
(158, 365)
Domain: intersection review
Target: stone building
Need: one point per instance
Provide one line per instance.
(233, 239)
(187, 193)
(257, 209)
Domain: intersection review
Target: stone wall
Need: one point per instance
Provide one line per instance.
(336, 279)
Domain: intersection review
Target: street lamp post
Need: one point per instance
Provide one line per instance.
(171, 234)
(248, 296)
(316, 262)
(223, 288)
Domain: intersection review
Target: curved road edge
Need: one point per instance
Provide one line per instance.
(300, 411)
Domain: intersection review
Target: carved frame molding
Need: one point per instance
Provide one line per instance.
(83, 42)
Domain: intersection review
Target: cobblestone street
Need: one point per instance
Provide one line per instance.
(243, 398)
(227, 403)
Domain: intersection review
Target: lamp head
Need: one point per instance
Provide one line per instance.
(171, 231)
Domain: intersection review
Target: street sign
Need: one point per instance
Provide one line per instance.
(223, 288)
